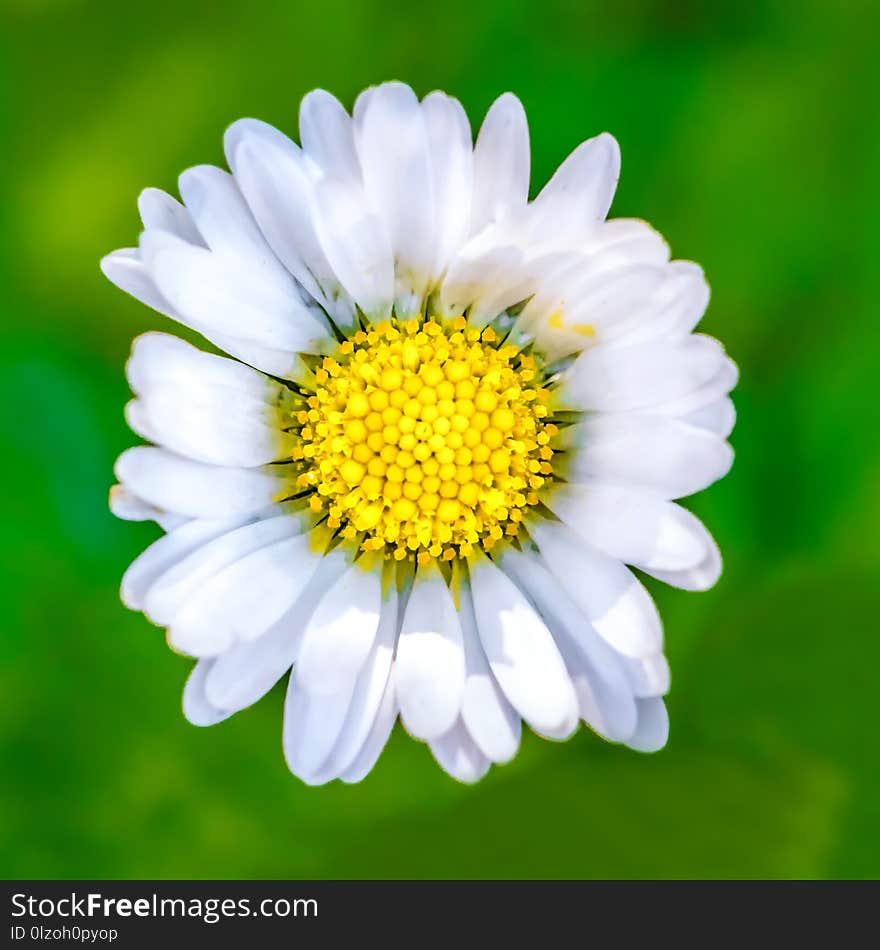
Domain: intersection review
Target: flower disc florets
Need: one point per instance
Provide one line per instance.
(425, 438)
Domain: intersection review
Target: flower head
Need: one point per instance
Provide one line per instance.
(448, 420)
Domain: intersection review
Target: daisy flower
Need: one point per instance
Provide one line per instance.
(449, 423)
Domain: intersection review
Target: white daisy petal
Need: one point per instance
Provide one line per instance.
(323, 730)
(701, 576)
(243, 599)
(719, 385)
(327, 136)
(614, 602)
(225, 222)
(611, 714)
(125, 504)
(356, 245)
(652, 731)
(279, 186)
(220, 428)
(488, 716)
(247, 671)
(160, 211)
(648, 452)
(579, 194)
(648, 676)
(378, 736)
(603, 307)
(196, 706)
(399, 185)
(501, 164)
(160, 359)
(457, 753)
(619, 378)
(482, 275)
(451, 158)
(172, 589)
(195, 489)
(126, 270)
(676, 308)
(312, 724)
(430, 671)
(209, 291)
(638, 528)
(341, 632)
(717, 417)
(366, 696)
(630, 240)
(207, 407)
(163, 554)
(521, 653)
(598, 673)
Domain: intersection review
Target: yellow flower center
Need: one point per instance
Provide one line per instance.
(425, 439)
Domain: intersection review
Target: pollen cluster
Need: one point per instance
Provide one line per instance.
(425, 439)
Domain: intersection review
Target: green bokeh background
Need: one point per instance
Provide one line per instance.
(750, 137)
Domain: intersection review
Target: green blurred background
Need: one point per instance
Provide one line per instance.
(750, 137)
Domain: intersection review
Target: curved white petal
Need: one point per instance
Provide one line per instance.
(125, 504)
(458, 755)
(126, 270)
(160, 211)
(652, 731)
(357, 246)
(451, 162)
(700, 576)
(196, 489)
(579, 194)
(246, 671)
(327, 136)
(429, 665)
(489, 718)
(676, 308)
(597, 671)
(378, 736)
(392, 145)
(638, 528)
(630, 239)
(718, 417)
(223, 296)
(602, 307)
(340, 633)
(614, 602)
(207, 407)
(196, 706)
(368, 693)
(223, 219)
(650, 452)
(620, 378)
(472, 278)
(719, 385)
(312, 724)
(648, 676)
(172, 589)
(163, 554)
(161, 359)
(242, 600)
(324, 731)
(521, 653)
(502, 162)
(279, 186)
(219, 428)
